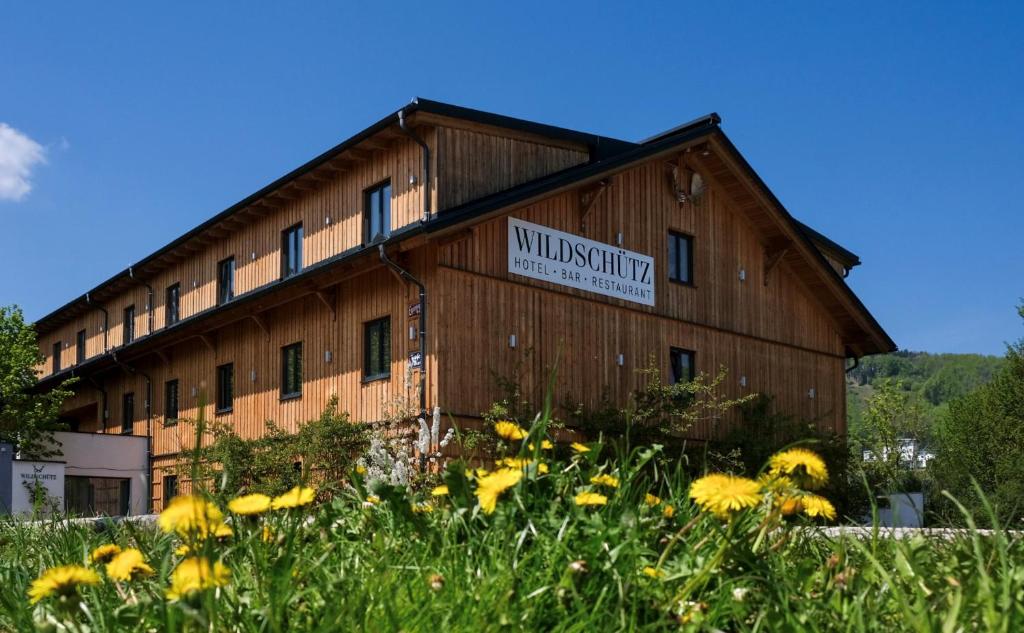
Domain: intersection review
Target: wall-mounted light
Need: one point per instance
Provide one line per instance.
(413, 180)
(512, 341)
(252, 375)
(195, 392)
(327, 220)
(743, 381)
(412, 332)
(195, 284)
(252, 256)
(621, 360)
(810, 393)
(743, 274)
(618, 238)
(328, 356)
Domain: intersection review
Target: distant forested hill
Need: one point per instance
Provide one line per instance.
(932, 379)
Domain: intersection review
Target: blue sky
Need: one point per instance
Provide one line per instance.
(895, 128)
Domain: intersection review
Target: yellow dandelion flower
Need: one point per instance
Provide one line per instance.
(509, 430)
(267, 535)
(817, 506)
(360, 469)
(605, 480)
(804, 467)
(789, 505)
(668, 511)
(591, 499)
(182, 550)
(724, 494)
(440, 491)
(544, 444)
(196, 574)
(128, 565)
(422, 508)
(523, 463)
(190, 516)
(296, 497)
(61, 581)
(372, 500)
(580, 448)
(248, 505)
(104, 553)
(652, 500)
(490, 487)
(223, 531)
(651, 572)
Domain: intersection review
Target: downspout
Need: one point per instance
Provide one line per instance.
(406, 275)
(856, 364)
(149, 428)
(426, 163)
(149, 299)
(103, 411)
(106, 319)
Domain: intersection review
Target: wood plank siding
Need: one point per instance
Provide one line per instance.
(761, 304)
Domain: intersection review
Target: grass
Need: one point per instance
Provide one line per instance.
(368, 561)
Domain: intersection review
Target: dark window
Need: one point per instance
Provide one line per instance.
(226, 281)
(172, 307)
(377, 362)
(129, 325)
(56, 357)
(680, 258)
(170, 488)
(291, 370)
(127, 412)
(96, 496)
(171, 402)
(377, 212)
(80, 347)
(291, 251)
(225, 387)
(682, 365)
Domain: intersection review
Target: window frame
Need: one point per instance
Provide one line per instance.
(81, 340)
(287, 394)
(689, 239)
(127, 412)
(291, 236)
(219, 405)
(230, 285)
(384, 355)
(385, 220)
(172, 316)
(169, 482)
(128, 325)
(171, 420)
(55, 358)
(690, 354)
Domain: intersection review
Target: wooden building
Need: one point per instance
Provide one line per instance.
(442, 246)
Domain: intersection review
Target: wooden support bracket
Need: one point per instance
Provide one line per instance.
(261, 323)
(209, 343)
(163, 356)
(588, 197)
(773, 254)
(328, 299)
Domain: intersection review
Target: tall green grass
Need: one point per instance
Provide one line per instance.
(538, 563)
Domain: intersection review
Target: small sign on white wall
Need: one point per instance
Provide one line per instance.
(543, 253)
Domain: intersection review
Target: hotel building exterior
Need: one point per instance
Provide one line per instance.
(442, 246)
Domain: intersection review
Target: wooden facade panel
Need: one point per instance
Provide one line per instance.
(638, 205)
(474, 163)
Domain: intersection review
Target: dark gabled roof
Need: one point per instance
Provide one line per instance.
(843, 256)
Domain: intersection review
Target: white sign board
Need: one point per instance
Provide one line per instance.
(570, 260)
(49, 476)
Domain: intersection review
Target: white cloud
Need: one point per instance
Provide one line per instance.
(18, 155)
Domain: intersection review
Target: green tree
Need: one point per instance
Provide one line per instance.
(27, 418)
(982, 439)
(890, 418)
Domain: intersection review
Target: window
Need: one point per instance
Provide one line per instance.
(291, 251)
(225, 388)
(80, 347)
(226, 281)
(377, 212)
(170, 402)
(127, 412)
(172, 306)
(682, 361)
(129, 325)
(56, 357)
(170, 488)
(680, 258)
(377, 362)
(291, 371)
(96, 496)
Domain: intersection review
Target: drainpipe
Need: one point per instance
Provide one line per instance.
(406, 275)
(426, 163)
(106, 319)
(149, 299)
(149, 428)
(856, 364)
(103, 411)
